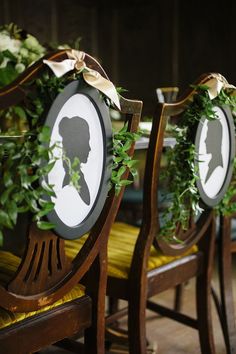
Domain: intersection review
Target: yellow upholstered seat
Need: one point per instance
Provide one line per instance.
(120, 251)
(8, 265)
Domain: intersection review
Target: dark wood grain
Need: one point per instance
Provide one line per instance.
(45, 274)
(142, 284)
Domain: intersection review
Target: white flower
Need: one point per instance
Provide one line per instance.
(4, 41)
(24, 52)
(32, 44)
(32, 57)
(20, 67)
(13, 45)
(21, 53)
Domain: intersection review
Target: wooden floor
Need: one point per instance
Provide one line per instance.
(168, 337)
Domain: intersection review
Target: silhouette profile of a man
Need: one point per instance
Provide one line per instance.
(75, 140)
(213, 146)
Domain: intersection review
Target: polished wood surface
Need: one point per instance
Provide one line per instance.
(142, 284)
(225, 301)
(160, 330)
(34, 285)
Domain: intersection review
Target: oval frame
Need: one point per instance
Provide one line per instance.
(102, 111)
(213, 201)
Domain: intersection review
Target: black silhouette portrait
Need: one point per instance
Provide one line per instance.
(75, 140)
(213, 146)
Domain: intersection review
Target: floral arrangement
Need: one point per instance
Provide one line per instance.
(18, 50)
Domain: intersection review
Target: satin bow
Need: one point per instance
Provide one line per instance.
(76, 61)
(216, 84)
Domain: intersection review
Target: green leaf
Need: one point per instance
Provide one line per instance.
(117, 159)
(44, 225)
(47, 208)
(127, 145)
(125, 182)
(31, 202)
(19, 111)
(5, 195)
(47, 168)
(1, 238)
(122, 130)
(7, 179)
(44, 135)
(7, 75)
(12, 211)
(23, 209)
(121, 90)
(42, 202)
(8, 54)
(117, 189)
(121, 171)
(5, 219)
(134, 172)
(131, 163)
(1, 57)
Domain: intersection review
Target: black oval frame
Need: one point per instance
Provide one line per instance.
(75, 87)
(212, 202)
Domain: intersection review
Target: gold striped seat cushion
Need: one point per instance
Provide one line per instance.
(120, 250)
(8, 265)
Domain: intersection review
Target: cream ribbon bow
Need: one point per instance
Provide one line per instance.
(92, 77)
(216, 84)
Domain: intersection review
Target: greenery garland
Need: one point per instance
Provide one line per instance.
(183, 199)
(24, 185)
(122, 142)
(25, 158)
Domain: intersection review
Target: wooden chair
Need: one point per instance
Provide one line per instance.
(225, 302)
(167, 94)
(141, 264)
(42, 298)
(132, 201)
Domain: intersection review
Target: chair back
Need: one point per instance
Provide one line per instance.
(79, 118)
(181, 217)
(167, 94)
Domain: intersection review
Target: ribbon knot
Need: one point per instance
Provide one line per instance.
(80, 65)
(76, 61)
(78, 57)
(216, 83)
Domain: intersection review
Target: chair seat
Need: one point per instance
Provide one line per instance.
(8, 265)
(120, 250)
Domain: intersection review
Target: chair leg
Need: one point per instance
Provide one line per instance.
(204, 317)
(178, 297)
(94, 337)
(226, 290)
(204, 295)
(137, 323)
(113, 305)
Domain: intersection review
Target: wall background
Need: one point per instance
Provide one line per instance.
(141, 44)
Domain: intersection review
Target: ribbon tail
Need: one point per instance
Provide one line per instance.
(93, 78)
(214, 87)
(60, 68)
(216, 84)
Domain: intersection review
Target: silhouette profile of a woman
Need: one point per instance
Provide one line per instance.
(75, 140)
(213, 146)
